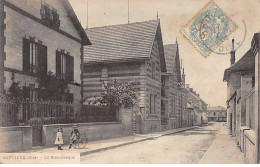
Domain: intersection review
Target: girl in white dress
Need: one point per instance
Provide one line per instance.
(59, 139)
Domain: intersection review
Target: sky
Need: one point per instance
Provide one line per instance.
(204, 75)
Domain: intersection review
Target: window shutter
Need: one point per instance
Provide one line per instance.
(69, 97)
(42, 60)
(58, 64)
(69, 68)
(26, 55)
(26, 92)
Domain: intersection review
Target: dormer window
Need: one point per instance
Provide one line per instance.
(50, 15)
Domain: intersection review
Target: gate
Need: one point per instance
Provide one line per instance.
(36, 136)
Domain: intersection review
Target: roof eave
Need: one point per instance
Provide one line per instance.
(76, 23)
(115, 61)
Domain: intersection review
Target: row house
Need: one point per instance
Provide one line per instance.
(217, 114)
(128, 53)
(198, 106)
(40, 37)
(171, 95)
(243, 100)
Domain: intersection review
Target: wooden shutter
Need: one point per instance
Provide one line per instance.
(26, 92)
(42, 60)
(69, 97)
(69, 68)
(58, 64)
(26, 55)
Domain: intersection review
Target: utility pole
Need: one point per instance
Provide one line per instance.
(128, 13)
(87, 15)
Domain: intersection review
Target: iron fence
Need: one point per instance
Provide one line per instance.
(22, 112)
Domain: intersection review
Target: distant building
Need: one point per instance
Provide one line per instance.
(217, 114)
(199, 107)
(129, 53)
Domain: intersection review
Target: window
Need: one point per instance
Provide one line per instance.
(34, 57)
(151, 103)
(64, 66)
(155, 102)
(50, 15)
(153, 70)
(214, 114)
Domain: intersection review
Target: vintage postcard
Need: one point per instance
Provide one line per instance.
(129, 82)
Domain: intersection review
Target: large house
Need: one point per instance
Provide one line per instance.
(171, 94)
(40, 38)
(243, 100)
(129, 53)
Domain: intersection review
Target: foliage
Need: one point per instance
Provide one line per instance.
(52, 83)
(15, 91)
(115, 94)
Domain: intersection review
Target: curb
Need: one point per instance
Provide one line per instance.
(132, 142)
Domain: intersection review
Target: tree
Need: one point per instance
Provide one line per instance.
(115, 94)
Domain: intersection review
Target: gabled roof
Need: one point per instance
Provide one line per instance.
(216, 108)
(246, 63)
(124, 42)
(170, 56)
(172, 59)
(76, 23)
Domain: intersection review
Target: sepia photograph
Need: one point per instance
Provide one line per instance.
(129, 82)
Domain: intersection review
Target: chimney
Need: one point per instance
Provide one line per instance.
(232, 53)
(183, 78)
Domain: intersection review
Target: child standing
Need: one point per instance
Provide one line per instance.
(59, 139)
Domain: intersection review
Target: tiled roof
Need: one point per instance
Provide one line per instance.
(216, 108)
(118, 43)
(246, 63)
(170, 52)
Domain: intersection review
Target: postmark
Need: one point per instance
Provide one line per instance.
(239, 38)
(208, 29)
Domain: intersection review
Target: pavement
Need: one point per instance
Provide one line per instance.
(103, 145)
(223, 150)
(209, 144)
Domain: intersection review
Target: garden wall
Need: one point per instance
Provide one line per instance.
(14, 139)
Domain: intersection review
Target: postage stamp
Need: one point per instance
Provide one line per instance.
(208, 29)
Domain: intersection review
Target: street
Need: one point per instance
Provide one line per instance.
(207, 144)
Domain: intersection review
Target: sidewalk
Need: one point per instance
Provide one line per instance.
(223, 150)
(102, 145)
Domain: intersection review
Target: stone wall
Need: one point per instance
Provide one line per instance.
(249, 146)
(15, 139)
(93, 131)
